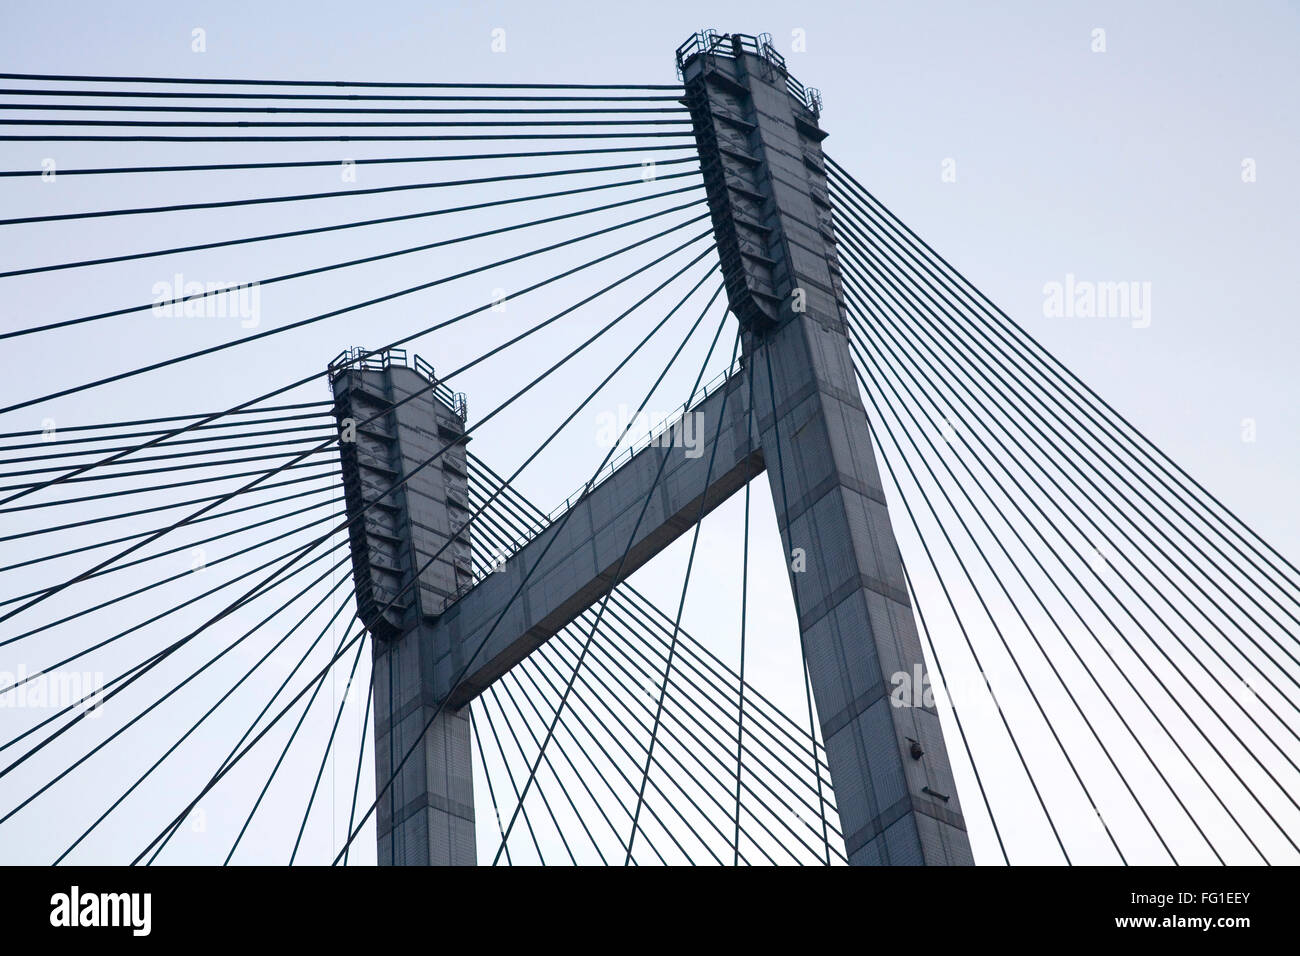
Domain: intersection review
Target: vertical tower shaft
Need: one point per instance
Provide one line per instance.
(760, 149)
(427, 816)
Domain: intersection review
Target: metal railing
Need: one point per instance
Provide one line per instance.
(713, 43)
(376, 361)
(365, 360)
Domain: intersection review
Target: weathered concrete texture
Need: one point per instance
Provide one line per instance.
(579, 566)
(427, 817)
(376, 538)
(404, 528)
(432, 799)
(856, 622)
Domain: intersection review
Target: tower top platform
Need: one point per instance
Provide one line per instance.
(736, 45)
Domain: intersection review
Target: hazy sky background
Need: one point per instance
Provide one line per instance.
(1116, 166)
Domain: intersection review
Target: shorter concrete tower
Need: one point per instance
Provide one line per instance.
(410, 558)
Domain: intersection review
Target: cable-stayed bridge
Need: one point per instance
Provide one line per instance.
(338, 602)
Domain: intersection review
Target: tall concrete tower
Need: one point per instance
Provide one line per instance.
(760, 139)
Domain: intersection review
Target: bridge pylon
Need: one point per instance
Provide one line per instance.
(759, 135)
(449, 637)
(410, 557)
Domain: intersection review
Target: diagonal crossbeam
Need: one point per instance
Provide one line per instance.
(580, 566)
